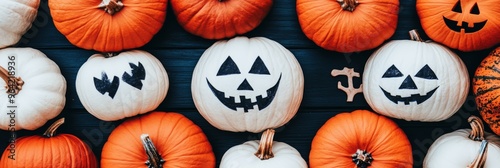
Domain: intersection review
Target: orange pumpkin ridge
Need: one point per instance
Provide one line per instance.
(219, 19)
(178, 141)
(486, 89)
(348, 25)
(108, 25)
(466, 25)
(360, 138)
(59, 151)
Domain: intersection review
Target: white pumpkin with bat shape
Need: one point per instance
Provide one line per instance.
(115, 87)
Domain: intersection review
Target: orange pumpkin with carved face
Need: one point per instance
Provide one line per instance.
(466, 25)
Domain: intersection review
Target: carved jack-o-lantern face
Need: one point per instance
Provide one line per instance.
(466, 16)
(415, 81)
(408, 84)
(264, 96)
(247, 84)
(466, 25)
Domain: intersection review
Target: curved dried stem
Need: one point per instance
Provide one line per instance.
(14, 84)
(52, 128)
(154, 158)
(477, 132)
(111, 6)
(481, 157)
(265, 150)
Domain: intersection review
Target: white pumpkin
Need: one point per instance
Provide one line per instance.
(415, 80)
(462, 147)
(265, 153)
(40, 96)
(16, 17)
(115, 87)
(247, 84)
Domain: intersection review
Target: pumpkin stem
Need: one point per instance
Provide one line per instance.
(348, 5)
(109, 55)
(111, 6)
(415, 36)
(14, 84)
(477, 132)
(362, 158)
(265, 150)
(154, 158)
(52, 128)
(481, 157)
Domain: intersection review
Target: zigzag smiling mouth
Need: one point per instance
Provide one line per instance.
(413, 98)
(246, 103)
(453, 25)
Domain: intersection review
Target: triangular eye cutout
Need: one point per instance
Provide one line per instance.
(457, 8)
(426, 73)
(475, 9)
(392, 72)
(259, 67)
(228, 67)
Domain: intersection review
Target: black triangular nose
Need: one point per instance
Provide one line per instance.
(245, 85)
(408, 83)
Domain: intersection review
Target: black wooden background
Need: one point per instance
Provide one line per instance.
(179, 52)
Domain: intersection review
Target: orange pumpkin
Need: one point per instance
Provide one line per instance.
(348, 25)
(108, 25)
(485, 86)
(360, 139)
(172, 141)
(49, 151)
(218, 19)
(466, 25)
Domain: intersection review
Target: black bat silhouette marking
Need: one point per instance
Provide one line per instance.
(138, 74)
(103, 85)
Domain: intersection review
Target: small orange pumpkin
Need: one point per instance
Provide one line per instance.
(218, 19)
(49, 151)
(486, 88)
(360, 139)
(466, 25)
(348, 25)
(108, 25)
(168, 139)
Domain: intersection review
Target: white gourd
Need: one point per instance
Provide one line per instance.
(415, 80)
(16, 17)
(247, 84)
(125, 85)
(41, 97)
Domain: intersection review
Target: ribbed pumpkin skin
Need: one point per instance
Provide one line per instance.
(219, 19)
(387, 96)
(43, 95)
(128, 100)
(456, 149)
(485, 85)
(16, 18)
(281, 88)
(332, 28)
(178, 140)
(432, 15)
(89, 27)
(60, 151)
(343, 134)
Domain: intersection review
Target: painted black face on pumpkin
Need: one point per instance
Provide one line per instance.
(455, 24)
(425, 73)
(229, 67)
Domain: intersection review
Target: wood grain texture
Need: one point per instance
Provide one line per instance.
(179, 52)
